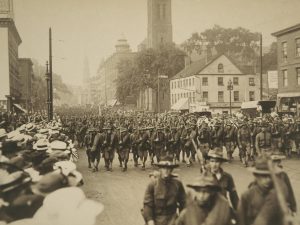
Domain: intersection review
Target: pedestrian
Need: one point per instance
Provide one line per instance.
(164, 195)
(206, 205)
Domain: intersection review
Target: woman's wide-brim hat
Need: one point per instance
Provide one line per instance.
(205, 181)
(166, 162)
(217, 153)
(261, 167)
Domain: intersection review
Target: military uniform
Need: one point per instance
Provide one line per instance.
(163, 197)
(263, 142)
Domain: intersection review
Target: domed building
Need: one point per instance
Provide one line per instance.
(102, 87)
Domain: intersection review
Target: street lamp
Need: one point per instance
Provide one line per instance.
(230, 88)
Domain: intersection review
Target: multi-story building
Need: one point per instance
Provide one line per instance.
(204, 84)
(102, 87)
(10, 40)
(288, 57)
(26, 79)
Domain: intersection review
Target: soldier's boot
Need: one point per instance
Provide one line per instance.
(124, 166)
(244, 161)
(107, 164)
(120, 161)
(110, 165)
(144, 167)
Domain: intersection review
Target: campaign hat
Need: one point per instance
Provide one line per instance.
(217, 153)
(166, 162)
(261, 167)
(206, 180)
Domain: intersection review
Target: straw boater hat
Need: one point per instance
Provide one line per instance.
(41, 145)
(217, 153)
(205, 181)
(166, 162)
(261, 167)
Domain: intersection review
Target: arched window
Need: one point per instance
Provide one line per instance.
(220, 68)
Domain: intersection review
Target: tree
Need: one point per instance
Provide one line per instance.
(239, 43)
(142, 72)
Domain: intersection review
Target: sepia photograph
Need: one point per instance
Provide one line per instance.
(149, 112)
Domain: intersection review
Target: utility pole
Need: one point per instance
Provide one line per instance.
(50, 76)
(47, 77)
(261, 70)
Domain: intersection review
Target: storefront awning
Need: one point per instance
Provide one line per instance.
(249, 105)
(288, 95)
(20, 108)
(182, 104)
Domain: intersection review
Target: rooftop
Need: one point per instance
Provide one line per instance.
(286, 30)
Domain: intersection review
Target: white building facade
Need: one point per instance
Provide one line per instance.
(206, 84)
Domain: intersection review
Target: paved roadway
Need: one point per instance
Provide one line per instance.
(122, 193)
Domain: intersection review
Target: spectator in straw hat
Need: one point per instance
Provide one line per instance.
(163, 195)
(224, 179)
(205, 205)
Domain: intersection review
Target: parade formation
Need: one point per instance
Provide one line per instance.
(38, 158)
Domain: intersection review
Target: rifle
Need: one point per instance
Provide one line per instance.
(200, 156)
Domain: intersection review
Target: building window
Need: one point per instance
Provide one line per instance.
(174, 84)
(193, 80)
(205, 96)
(284, 51)
(251, 96)
(204, 81)
(298, 47)
(220, 68)
(285, 78)
(194, 97)
(190, 82)
(235, 81)
(298, 75)
(236, 96)
(251, 81)
(220, 96)
(220, 81)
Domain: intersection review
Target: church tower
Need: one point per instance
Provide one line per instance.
(159, 23)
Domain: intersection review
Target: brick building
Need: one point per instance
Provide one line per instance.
(288, 55)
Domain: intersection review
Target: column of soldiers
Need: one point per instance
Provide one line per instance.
(150, 137)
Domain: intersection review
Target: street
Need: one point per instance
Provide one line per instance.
(122, 192)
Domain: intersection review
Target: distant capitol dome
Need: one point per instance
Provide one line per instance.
(122, 45)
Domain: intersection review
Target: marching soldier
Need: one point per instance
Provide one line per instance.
(158, 143)
(259, 204)
(124, 148)
(263, 140)
(164, 195)
(144, 146)
(225, 180)
(276, 132)
(229, 140)
(134, 139)
(245, 143)
(205, 205)
(204, 140)
(96, 149)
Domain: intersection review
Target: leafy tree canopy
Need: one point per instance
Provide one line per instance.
(239, 42)
(143, 70)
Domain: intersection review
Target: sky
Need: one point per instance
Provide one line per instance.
(90, 28)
